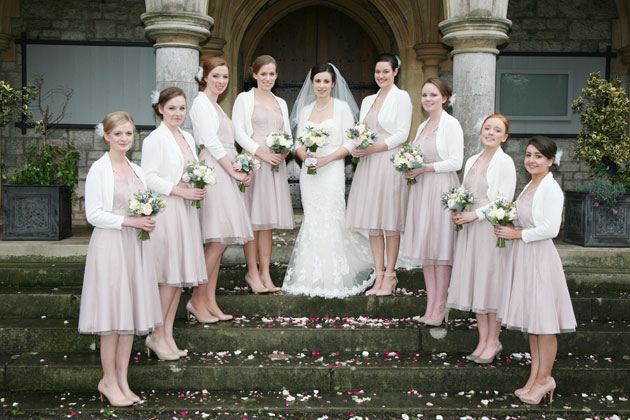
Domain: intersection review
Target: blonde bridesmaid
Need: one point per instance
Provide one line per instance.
(176, 241)
(429, 234)
(120, 292)
(534, 297)
(489, 175)
(256, 114)
(224, 216)
(378, 197)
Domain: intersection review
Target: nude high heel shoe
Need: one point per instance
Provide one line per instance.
(256, 289)
(392, 289)
(373, 290)
(437, 322)
(223, 317)
(496, 355)
(162, 356)
(190, 310)
(123, 402)
(521, 391)
(534, 399)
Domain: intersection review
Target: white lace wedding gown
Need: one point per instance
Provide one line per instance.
(328, 260)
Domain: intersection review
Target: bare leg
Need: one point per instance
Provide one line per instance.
(392, 245)
(377, 243)
(492, 337)
(199, 301)
(442, 280)
(252, 278)
(533, 370)
(482, 329)
(169, 320)
(123, 353)
(264, 240)
(213, 252)
(109, 384)
(430, 286)
(547, 349)
(158, 338)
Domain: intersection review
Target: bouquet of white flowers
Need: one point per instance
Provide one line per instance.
(500, 213)
(245, 163)
(145, 203)
(406, 159)
(456, 199)
(279, 143)
(362, 137)
(313, 138)
(199, 175)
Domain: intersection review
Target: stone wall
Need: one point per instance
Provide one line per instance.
(77, 20)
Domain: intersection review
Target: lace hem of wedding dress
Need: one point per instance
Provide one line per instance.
(330, 293)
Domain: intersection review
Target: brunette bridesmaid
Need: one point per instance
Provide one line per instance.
(177, 239)
(378, 196)
(120, 292)
(476, 277)
(429, 234)
(224, 215)
(534, 297)
(256, 114)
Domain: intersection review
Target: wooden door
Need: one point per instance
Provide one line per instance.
(319, 34)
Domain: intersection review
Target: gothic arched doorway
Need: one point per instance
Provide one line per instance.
(313, 35)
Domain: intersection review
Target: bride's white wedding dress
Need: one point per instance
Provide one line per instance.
(328, 260)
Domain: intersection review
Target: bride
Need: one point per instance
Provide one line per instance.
(327, 259)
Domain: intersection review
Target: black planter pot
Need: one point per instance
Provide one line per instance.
(587, 225)
(36, 212)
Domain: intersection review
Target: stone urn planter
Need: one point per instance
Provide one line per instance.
(587, 225)
(36, 212)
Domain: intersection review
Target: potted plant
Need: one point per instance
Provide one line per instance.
(37, 198)
(598, 214)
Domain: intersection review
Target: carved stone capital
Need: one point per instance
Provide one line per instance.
(475, 34)
(212, 48)
(177, 28)
(430, 54)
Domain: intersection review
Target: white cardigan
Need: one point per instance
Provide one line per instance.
(394, 116)
(500, 176)
(242, 119)
(449, 142)
(547, 207)
(205, 122)
(343, 120)
(162, 159)
(99, 194)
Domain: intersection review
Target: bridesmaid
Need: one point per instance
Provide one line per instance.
(534, 296)
(224, 215)
(429, 234)
(176, 240)
(489, 176)
(256, 114)
(378, 196)
(120, 293)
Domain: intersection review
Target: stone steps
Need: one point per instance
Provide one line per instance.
(80, 372)
(346, 336)
(314, 404)
(64, 303)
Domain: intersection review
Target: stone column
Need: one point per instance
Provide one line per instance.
(177, 27)
(474, 30)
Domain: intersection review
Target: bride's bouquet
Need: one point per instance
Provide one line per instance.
(456, 199)
(500, 213)
(199, 175)
(406, 159)
(313, 138)
(362, 137)
(145, 203)
(279, 143)
(245, 163)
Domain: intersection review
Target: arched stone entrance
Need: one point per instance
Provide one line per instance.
(311, 34)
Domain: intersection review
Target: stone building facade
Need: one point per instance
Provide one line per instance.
(413, 29)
